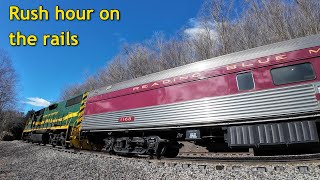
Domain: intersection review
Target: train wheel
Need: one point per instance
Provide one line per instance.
(161, 150)
(52, 142)
(96, 147)
(172, 150)
(63, 143)
(63, 140)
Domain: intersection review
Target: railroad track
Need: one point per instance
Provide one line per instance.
(237, 158)
(202, 157)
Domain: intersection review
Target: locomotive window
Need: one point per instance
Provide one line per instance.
(294, 73)
(245, 81)
(53, 106)
(40, 112)
(74, 101)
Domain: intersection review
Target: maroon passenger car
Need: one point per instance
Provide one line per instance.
(259, 98)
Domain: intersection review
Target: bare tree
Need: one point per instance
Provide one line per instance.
(8, 81)
(116, 71)
(170, 53)
(261, 22)
(70, 91)
(140, 60)
(305, 16)
(219, 12)
(202, 44)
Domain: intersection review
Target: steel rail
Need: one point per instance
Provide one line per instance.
(193, 157)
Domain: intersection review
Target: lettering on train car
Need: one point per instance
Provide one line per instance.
(258, 61)
(311, 51)
(126, 119)
(169, 81)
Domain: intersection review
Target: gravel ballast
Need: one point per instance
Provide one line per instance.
(20, 160)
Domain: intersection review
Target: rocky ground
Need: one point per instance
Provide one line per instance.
(19, 160)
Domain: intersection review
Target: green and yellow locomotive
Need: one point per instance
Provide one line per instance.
(58, 124)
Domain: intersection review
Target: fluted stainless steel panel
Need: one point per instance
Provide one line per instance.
(263, 51)
(272, 134)
(233, 108)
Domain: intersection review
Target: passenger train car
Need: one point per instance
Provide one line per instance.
(258, 98)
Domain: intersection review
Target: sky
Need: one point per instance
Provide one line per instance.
(44, 70)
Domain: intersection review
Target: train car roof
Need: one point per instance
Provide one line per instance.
(262, 51)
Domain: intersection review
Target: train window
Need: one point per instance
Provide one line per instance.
(53, 106)
(74, 101)
(40, 112)
(291, 74)
(245, 81)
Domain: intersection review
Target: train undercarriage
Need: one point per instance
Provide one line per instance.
(264, 139)
(54, 138)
